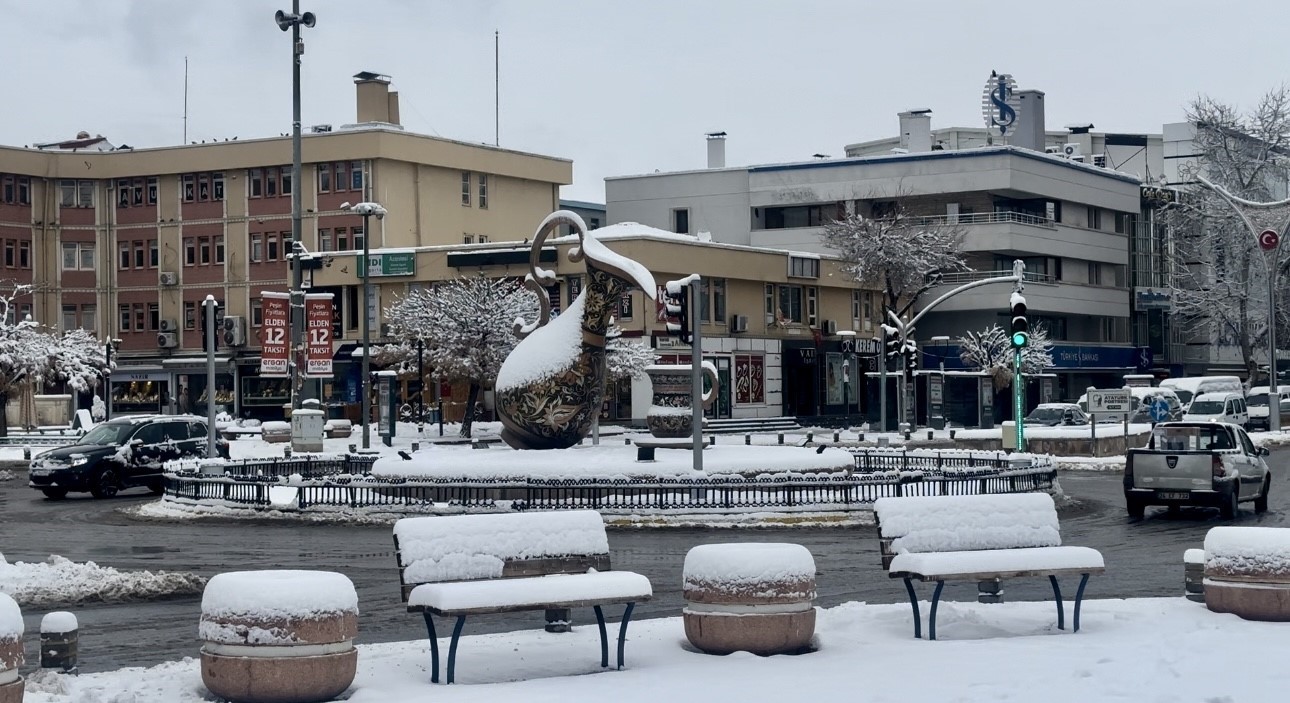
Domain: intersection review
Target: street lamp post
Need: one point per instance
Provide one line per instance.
(366, 209)
(848, 356)
(293, 21)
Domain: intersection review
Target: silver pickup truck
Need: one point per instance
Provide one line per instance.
(1210, 464)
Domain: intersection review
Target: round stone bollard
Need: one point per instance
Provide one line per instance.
(279, 636)
(11, 629)
(1247, 572)
(751, 597)
(59, 642)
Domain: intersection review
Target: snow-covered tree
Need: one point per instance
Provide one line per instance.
(465, 327)
(32, 355)
(896, 253)
(1219, 275)
(990, 350)
(624, 358)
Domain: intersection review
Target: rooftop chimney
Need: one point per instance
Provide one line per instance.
(1029, 131)
(916, 130)
(716, 149)
(376, 103)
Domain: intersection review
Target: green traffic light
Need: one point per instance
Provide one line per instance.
(1020, 339)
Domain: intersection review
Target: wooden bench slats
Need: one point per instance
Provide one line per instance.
(990, 575)
(579, 564)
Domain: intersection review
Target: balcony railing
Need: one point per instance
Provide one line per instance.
(958, 278)
(981, 218)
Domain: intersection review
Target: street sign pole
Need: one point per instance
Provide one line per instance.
(1269, 242)
(1018, 403)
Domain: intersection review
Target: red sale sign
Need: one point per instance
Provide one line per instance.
(275, 333)
(318, 328)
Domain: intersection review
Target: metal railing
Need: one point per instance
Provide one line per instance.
(877, 475)
(961, 277)
(979, 218)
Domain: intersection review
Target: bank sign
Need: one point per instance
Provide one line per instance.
(389, 263)
(1066, 357)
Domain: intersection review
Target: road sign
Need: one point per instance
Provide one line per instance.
(1159, 410)
(1269, 240)
(1114, 400)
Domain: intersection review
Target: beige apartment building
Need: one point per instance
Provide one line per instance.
(127, 242)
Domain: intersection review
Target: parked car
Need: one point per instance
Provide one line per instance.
(1212, 464)
(1055, 414)
(1188, 387)
(1218, 407)
(122, 453)
(1257, 402)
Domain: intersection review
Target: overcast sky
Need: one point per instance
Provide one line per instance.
(626, 86)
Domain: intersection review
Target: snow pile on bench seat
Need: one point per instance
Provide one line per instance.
(1248, 551)
(962, 523)
(10, 618)
(266, 595)
(553, 590)
(463, 547)
(747, 563)
(998, 561)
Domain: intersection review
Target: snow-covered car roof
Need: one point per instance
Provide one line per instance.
(1056, 406)
(138, 419)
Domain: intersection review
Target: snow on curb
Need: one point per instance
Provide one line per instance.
(6, 475)
(1089, 463)
(58, 580)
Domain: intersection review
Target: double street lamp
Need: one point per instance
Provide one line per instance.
(367, 210)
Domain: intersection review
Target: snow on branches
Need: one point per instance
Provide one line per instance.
(625, 358)
(896, 253)
(991, 350)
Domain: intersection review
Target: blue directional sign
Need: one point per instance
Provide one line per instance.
(1159, 410)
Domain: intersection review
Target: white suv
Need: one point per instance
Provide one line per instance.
(1218, 407)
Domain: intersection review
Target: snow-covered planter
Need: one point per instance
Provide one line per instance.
(279, 636)
(751, 597)
(11, 685)
(338, 429)
(276, 432)
(1247, 572)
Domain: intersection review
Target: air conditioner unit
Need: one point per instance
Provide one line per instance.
(830, 327)
(1071, 150)
(169, 325)
(167, 340)
(1052, 150)
(739, 323)
(1099, 160)
(234, 331)
(169, 278)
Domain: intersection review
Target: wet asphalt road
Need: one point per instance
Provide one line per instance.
(1143, 559)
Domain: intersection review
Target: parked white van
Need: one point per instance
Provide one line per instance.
(1188, 387)
(1257, 401)
(1218, 407)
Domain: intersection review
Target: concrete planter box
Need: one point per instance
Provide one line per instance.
(11, 658)
(1246, 572)
(749, 608)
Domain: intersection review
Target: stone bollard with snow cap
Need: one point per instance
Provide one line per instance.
(279, 636)
(1247, 572)
(750, 597)
(11, 629)
(59, 642)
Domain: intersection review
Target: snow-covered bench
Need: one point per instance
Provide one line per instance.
(482, 564)
(978, 538)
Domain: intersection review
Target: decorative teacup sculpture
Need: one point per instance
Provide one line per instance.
(671, 414)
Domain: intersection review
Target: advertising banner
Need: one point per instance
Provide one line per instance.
(318, 331)
(275, 333)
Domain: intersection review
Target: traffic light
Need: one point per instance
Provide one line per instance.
(676, 303)
(891, 347)
(1020, 325)
(911, 361)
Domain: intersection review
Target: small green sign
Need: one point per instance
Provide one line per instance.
(401, 263)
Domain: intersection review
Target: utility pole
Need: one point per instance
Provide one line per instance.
(696, 371)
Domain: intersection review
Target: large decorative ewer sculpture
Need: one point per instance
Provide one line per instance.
(671, 414)
(551, 385)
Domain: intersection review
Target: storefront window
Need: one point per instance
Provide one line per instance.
(258, 390)
(191, 396)
(139, 396)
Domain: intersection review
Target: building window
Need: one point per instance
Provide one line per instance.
(270, 247)
(256, 178)
(85, 193)
(137, 187)
(152, 191)
(24, 255)
(190, 251)
(270, 184)
(257, 313)
(681, 220)
(67, 193)
(483, 239)
(356, 175)
(90, 317)
(190, 314)
(154, 316)
(857, 308)
(467, 238)
(219, 249)
(69, 256)
(139, 318)
(154, 256)
(9, 189)
(123, 193)
(69, 318)
(790, 305)
(204, 249)
(124, 317)
(483, 191)
(257, 247)
(342, 239)
(203, 187)
(593, 223)
(359, 237)
(190, 187)
(1094, 273)
(719, 300)
(351, 307)
(803, 267)
(284, 176)
(24, 190)
(341, 181)
(78, 256)
(10, 253)
(812, 306)
(1094, 218)
(1122, 222)
(140, 255)
(324, 240)
(465, 188)
(324, 178)
(770, 304)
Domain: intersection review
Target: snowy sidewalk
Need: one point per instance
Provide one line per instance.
(1159, 649)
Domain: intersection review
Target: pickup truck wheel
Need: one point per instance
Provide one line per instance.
(54, 493)
(1261, 503)
(157, 486)
(1227, 510)
(106, 484)
(1136, 508)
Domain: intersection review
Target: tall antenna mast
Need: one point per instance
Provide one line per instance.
(185, 141)
(497, 97)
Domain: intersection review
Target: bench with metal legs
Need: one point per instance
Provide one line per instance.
(940, 585)
(461, 622)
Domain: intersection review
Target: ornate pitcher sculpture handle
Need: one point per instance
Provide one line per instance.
(710, 371)
(538, 278)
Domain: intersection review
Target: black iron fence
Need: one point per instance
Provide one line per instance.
(340, 484)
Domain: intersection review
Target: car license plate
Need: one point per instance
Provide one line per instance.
(1173, 495)
(38, 472)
